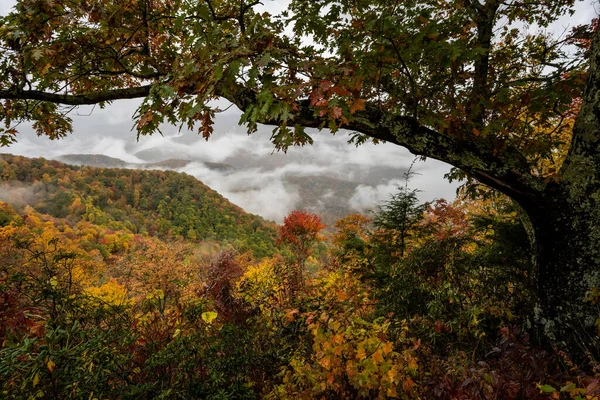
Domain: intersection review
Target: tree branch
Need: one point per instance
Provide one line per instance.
(497, 165)
(77, 99)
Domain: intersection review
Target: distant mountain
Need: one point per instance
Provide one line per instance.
(171, 163)
(102, 161)
(154, 154)
(323, 195)
(161, 203)
(93, 160)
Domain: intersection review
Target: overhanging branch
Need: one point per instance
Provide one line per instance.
(501, 167)
(77, 99)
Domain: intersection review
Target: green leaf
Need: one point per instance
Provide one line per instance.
(570, 386)
(547, 389)
(218, 74)
(37, 54)
(264, 60)
(204, 12)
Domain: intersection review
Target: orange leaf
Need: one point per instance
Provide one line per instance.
(330, 378)
(50, 365)
(325, 363)
(377, 357)
(387, 348)
(357, 105)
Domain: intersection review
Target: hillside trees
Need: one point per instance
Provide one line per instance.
(89, 309)
(157, 202)
(457, 81)
(148, 321)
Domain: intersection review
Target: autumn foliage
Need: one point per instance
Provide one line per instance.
(300, 231)
(90, 308)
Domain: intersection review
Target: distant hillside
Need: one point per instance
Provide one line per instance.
(322, 195)
(161, 203)
(102, 161)
(93, 160)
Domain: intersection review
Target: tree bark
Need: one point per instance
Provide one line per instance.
(566, 259)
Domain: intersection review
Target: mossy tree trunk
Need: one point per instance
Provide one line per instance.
(565, 219)
(566, 252)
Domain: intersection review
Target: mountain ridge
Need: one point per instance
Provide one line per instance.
(153, 202)
(320, 194)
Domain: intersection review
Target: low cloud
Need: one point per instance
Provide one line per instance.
(250, 173)
(366, 198)
(18, 195)
(259, 192)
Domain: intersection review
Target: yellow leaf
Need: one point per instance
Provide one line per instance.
(412, 364)
(391, 392)
(360, 353)
(45, 69)
(51, 365)
(336, 326)
(36, 379)
(209, 316)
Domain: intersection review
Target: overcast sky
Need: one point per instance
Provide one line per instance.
(257, 184)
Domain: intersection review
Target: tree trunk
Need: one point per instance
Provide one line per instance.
(566, 251)
(566, 222)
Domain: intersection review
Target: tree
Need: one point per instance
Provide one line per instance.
(352, 235)
(399, 216)
(455, 80)
(300, 231)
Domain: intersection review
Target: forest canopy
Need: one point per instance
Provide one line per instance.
(462, 81)
(430, 304)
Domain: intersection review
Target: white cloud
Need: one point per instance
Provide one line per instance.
(258, 183)
(368, 197)
(258, 192)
